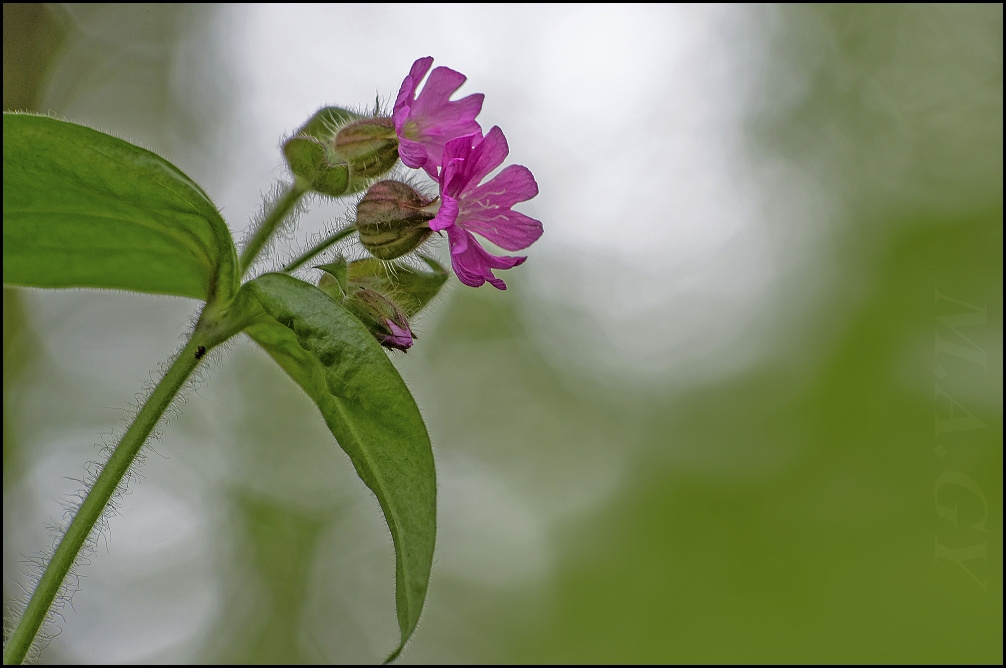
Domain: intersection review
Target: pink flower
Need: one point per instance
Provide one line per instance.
(424, 124)
(466, 207)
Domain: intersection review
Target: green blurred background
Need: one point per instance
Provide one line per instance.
(742, 404)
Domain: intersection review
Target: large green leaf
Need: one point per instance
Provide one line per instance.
(85, 209)
(368, 409)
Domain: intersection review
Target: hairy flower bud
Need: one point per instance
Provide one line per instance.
(393, 219)
(338, 152)
(382, 317)
(367, 299)
(310, 157)
(311, 162)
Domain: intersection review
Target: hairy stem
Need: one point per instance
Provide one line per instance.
(320, 247)
(280, 210)
(96, 500)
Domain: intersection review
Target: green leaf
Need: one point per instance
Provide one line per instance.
(85, 209)
(338, 272)
(368, 409)
(410, 288)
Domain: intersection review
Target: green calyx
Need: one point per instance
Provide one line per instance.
(393, 219)
(369, 146)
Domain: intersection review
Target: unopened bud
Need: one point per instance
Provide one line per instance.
(382, 317)
(382, 295)
(400, 338)
(326, 122)
(338, 152)
(312, 162)
(393, 219)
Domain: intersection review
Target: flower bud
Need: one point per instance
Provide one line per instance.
(311, 162)
(401, 338)
(326, 122)
(338, 152)
(382, 317)
(369, 146)
(392, 219)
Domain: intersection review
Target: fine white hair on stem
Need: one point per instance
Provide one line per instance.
(342, 247)
(284, 230)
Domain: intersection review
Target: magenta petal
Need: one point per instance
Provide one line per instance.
(420, 68)
(458, 158)
(434, 142)
(512, 185)
(405, 96)
(486, 155)
(413, 154)
(446, 216)
(407, 93)
(453, 179)
(430, 119)
(459, 148)
(451, 120)
(399, 116)
(473, 264)
(431, 168)
(437, 90)
(459, 117)
(508, 229)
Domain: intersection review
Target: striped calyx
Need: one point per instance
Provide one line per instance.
(393, 219)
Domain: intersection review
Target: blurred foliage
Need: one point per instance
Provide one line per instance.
(282, 540)
(798, 524)
(18, 350)
(32, 37)
(785, 513)
(788, 515)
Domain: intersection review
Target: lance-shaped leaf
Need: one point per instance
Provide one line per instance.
(336, 273)
(85, 209)
(368, 409)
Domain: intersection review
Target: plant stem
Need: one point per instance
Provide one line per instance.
(267, 228)
(96, 500)
(321, 246)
